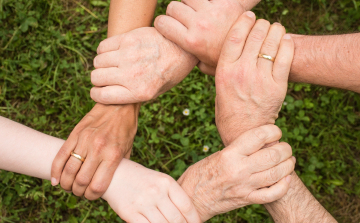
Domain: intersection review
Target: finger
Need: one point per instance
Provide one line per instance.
(236, 38)
(255, 40)
(181, 12)
(269, 157)
(195, 4)
(109, 44)
(154, 215)
(271, 194)
(271, 176)
(183, 203)
(102, 179)
(113, 95)
(170, 212)
(253, 140)
(283, 60)
(61, 158)
(136, 218)
(106, 76)
(108, 59)
(172, 30)
(73, 165)
(84, 176)
(206, 69)
(270, 47)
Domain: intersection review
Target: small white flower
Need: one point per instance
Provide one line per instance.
(186, 112)
(285, 103)
(206, 148)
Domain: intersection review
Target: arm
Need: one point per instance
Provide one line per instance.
(322, 60)
(241, 102)
(125, 16)
(327, 60)
(105, 135)
(298, 205)
(136, 194)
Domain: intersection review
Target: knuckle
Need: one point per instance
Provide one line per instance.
(203, 25)
(274, 155)
(154, 190)
(97, 188)
(257, 35)
(270, 44)
(82, 180)
(260, 134)
(191, 41)
(71, 168)
(235, 36)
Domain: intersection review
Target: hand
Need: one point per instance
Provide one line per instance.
(138, 194)
(200, 27)
(138, 66)
(240, 174)
(250, 90)
(103, 137)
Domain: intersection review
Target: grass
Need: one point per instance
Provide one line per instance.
(46, 52)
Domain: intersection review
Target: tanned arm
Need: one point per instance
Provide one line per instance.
(327, 60)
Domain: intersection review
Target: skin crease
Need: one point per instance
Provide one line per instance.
(98, 141)
(158, 62)
(136, 194)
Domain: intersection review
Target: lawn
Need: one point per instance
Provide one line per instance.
(46, 52)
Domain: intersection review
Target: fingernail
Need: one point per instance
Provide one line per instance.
(288, 179)
(54, 181)
(276, 23)
(95, 62)
(294, 159)
(250, 14)
(159, 21)
(287, 36)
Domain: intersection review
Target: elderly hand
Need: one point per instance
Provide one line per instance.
(250, 90)
(199, 27)
(240, 174)
(138, 66)
(141, 195)
(103, 137)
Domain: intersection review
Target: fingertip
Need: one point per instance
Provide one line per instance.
(54, 181)
(250, 14)
(294, 159)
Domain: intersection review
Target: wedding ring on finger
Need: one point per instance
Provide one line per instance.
(267, 57)
(77, 156)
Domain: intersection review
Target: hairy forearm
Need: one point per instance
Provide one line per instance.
(327, 60)
(298, 205)
(125, 16)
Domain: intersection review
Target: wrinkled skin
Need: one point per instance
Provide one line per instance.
(138, 66)
(240, 174)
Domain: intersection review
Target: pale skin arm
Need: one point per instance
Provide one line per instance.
(136, 194)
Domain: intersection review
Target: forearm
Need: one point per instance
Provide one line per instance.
(298, 205)
(26, 151)
(125, 16)
(327, 60)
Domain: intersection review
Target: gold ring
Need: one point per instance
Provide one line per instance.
(77, 156)
(267, 57)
